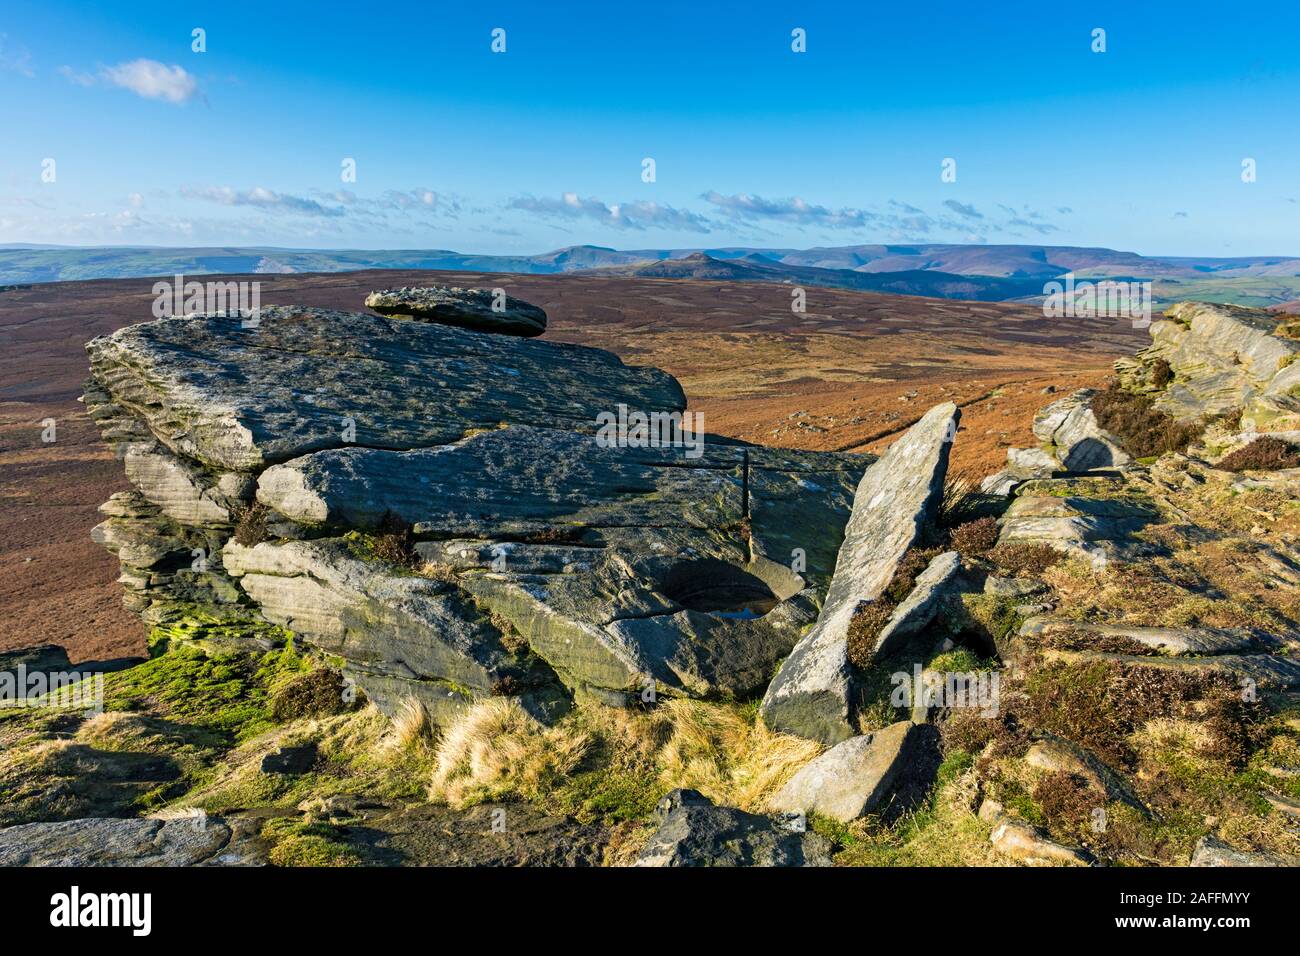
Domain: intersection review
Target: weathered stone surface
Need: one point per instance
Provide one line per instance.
(1211, 851)
(1072, 441)
(1075, 523)
(810, 695)
(1069, 427)
(1022, 465)
(919, 609)
(1181, 641)
(180, 490)
(1223, 357)
(485, 310)
(654, 580)
(168, 567)
(394, 623)
(237, 398)
(1266, 671)
(115, 842)
(853, 778)
(1028, 845)
(512, 480)
(694, 832)
(423, 834)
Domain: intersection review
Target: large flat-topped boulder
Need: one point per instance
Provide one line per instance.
(238, 395)
(485, 310)
(810, 695)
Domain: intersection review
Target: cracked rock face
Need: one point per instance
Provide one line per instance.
(236, 396)
(1222, 357)
(485, 310)
(546, 562)
(654, 580)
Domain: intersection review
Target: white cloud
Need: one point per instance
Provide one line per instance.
(629, 215)
(261, 198)
(147, 78)
(794, 209)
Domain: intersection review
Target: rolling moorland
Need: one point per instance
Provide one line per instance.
(1126, 569)
(986, 273)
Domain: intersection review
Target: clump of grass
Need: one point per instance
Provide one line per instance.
(1265, 453)
(727, 754)
(317, 693)
(300, 843)
(974, 538)
(1067, 801)
(495, 749)
(1025, 558)
(410, 728)
(1100, 704)
(963, 501)
(250, 523)
(1143, 430)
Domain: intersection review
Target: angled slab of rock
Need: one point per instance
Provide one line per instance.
(1211, 851)
(654, 576)
(107, 841)
(919, 609)
(1022, 465)
(853, 778)
(1045, 512)
(1069, 427)
(1028, 845)
(810, 695)
(694, 832)
(239, 396)
(1265, 671)
(484, 310)
(1178, 641)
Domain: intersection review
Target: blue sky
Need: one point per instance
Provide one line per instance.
(457, 147)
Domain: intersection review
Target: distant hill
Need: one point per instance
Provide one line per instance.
(979, 272)
(758, 268)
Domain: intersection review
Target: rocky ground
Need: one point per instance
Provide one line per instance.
(407, 604)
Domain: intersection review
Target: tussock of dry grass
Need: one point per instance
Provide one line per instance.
(496, 749)
(410, 728)
(727, 758)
